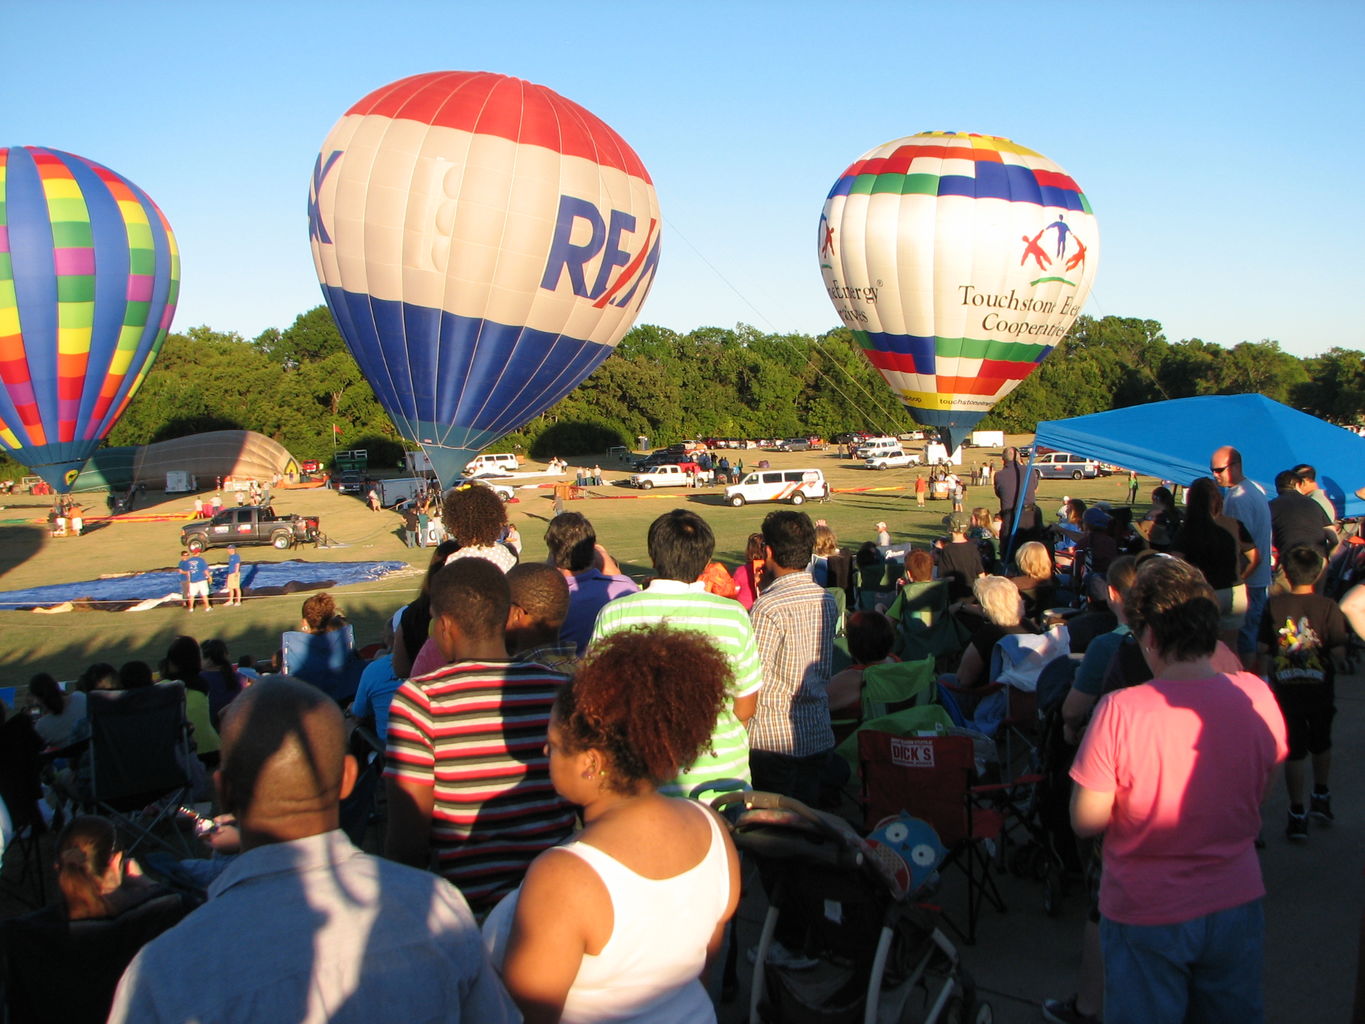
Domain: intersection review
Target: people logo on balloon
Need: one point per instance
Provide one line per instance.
(483, 244)
(960, 261)
(89, 276)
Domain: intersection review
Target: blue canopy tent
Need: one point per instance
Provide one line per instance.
(1173, 440)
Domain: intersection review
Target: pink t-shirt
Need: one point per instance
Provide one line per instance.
(1188, 762)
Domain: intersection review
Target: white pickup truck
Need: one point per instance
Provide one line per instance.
(892, 459)
(661, 476)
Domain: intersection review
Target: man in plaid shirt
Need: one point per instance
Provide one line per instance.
(794, 620)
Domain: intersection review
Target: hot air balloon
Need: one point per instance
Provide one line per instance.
(89, 275)
(483, 244)
(959, 261)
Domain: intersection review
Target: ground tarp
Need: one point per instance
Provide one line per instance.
(1173, 441)
(159, 584)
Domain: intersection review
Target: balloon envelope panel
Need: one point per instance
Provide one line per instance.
(959, 261)
(483, 244)
(89, 276)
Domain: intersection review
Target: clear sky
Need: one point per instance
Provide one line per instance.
(1219, 143)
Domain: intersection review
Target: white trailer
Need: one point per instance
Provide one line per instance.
(987, 439)
(936, 454)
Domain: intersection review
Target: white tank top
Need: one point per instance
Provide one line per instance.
(649, 969)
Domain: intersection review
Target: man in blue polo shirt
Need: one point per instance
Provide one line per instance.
(198, 572)
(592, 574)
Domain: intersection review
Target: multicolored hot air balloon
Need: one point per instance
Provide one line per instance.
(483, 244)
(89, 275)
(959, 261)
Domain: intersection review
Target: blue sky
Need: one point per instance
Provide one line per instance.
(1219, 143)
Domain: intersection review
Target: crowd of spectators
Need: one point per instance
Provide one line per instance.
(539, 722)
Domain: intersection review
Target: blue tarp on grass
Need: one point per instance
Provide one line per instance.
(160, 583)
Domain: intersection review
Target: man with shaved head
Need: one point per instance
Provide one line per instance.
(1246, 501)
(302, 926)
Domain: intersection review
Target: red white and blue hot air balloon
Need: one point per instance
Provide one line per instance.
(483, 244)
(89, 275)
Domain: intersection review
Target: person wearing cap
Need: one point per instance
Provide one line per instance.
(1096, 548)
(883, 537)
(959, 559)
(234, 576)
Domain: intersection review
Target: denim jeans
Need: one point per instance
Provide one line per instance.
(1251, 625)
(797, 777)
(1204, 971)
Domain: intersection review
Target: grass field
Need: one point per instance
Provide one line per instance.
(64, 644)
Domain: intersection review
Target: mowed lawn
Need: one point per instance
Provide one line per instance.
(65, 644)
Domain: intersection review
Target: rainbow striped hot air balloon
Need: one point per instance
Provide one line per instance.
(483, 244)
(959, 261)
(89, 274)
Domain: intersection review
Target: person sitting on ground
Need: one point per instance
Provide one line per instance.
(870, 638)
(591, 573)
(98, 882)
(748, 575)
(475, 516)
(540, 600)
(1303, 635)
(468, 782)
(322, 931)
(184, 662)
(62, 721)
(1034, 579)
(621, 923)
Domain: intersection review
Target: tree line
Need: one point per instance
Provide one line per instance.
(301, 387)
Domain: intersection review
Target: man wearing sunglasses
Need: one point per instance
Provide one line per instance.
(1246, 500)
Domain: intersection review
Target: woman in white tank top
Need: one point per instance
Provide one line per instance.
(619, 924)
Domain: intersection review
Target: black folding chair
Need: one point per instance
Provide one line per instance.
(140, 761)
(21, 790)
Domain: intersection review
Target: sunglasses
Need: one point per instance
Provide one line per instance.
(1219, 469)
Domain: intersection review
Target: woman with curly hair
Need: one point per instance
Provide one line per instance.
(619, 924)
(474, 516)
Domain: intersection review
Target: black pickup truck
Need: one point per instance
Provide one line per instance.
(249, 524)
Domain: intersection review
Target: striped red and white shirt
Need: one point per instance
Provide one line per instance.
(476, 732)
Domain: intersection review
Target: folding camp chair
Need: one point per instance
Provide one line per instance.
(20, 791)
(361, 809)
(841, 603)
(897, 685)
(933, 778)
(924, 626)
(327, 660)
(140, 761)
(64, 972)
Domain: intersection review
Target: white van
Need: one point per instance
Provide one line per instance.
(487, 463)
(793, 485)
(878, 446)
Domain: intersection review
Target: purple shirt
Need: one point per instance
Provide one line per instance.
(589, 591)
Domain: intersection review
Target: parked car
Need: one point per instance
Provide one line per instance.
(1059, 465)
(794, 444)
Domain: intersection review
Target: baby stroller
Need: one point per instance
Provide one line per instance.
(879, 955)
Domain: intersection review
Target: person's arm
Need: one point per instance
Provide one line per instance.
(1076, 710)
(718, 936)
(1091, 811)
(606, 564)
(971, 668)
(407, 839)
(561, 901)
